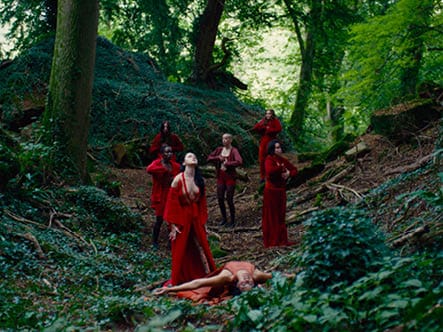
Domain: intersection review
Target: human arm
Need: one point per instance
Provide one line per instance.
(221, 279)
(261, 277)
(156, 167)
(234, 159)
(176, 143)
(155, 144)
(273, 127)
(260, 127)
(214, 156)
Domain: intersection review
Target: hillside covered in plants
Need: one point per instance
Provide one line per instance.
(367, 227)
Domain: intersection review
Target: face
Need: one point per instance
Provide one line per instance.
(245, 282)
(165, 127)
(269, 114)
(277, 149)
(226, 140)
(190, 159)
(167, 153)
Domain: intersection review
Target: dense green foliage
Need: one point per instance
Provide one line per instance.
(130, 100)
(340, 246)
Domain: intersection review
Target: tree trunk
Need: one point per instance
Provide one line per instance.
(307, 49)
(304, 88)
(205, 40)
(414, 52)
(70, 88)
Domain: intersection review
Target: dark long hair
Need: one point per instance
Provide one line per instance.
(271, 146)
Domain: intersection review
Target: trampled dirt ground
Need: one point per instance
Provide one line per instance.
(341, 182)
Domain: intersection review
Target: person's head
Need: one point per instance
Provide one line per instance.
(190, 160)
(245, 281)
(166, 152)
(269, 114)
(275, 147)
(165, 127)
(227, 139)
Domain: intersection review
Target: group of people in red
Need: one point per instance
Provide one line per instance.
(178, 197)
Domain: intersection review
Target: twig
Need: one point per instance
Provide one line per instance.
(416, 233)
(33, 239)
(151, 286)
(412, 166)
(339, 186)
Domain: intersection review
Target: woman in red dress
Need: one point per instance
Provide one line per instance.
(163, 170)
(165, 136)
(226, 158)
(187, 213)
(268, 128)
(278, 170)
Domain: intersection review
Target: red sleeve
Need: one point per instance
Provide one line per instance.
(292, 169)
(176, 143)
(260, 127)
(213, 156)
(235, 158)
(156, 167)
(155, 144)
(274, 127)
(172, 213)
(271, 167)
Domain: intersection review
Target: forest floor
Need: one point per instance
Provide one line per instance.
(341, 182)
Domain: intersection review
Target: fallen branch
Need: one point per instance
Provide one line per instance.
(324, 185)
(416, 233)
(33, 239)
(151, 286)
(413, 166)
(292, 218)
(340, 187)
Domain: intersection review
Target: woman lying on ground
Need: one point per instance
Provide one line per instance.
(235, 276)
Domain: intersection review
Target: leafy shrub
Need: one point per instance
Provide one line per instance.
(339, 245)
(107, 213)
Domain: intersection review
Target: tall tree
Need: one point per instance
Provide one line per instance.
(206, 33)
(307, 45)
(388, 53)
(66, 117)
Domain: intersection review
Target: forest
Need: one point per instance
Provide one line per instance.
(358, 88)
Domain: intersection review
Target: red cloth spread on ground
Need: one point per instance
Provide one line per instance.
(268, 129)
(274, 228)
(161, 182)
(172, 140)
(215, 295)
(191, 254)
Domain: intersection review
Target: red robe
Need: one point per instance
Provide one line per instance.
(191, 254)
(172, 140)
(161, 182)
(233, 160)
(274, 228)
(268, 131)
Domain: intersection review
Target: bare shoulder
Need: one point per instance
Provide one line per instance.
(176, 180)
(226, 275)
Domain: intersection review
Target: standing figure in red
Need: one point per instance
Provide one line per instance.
(165, 136)
(268, 128)
(278, 171)
(226, 158)
(187, 213)
(163, 171)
